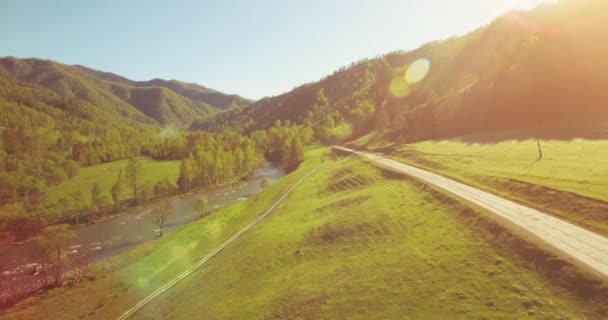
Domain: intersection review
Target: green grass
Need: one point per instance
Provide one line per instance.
(570, 181)
(352, 242)
(124, 280)
(106, 174)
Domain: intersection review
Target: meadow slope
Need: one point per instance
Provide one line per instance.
(355, 242)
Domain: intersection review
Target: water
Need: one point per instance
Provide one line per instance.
(107, 238)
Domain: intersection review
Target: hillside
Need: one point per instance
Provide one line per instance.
(368, 244)
(80, 88)
(58, 118)
(523, 69)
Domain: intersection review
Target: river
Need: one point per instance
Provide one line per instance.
(95, 242)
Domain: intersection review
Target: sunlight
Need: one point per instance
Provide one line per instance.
(510, 5)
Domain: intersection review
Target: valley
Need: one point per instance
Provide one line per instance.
(458, 178)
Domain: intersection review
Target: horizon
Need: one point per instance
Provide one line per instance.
(266, 70)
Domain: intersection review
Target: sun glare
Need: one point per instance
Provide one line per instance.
(510, 5)
(418, 70)
(401, 85)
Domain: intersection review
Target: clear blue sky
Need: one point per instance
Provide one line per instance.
(253, 48)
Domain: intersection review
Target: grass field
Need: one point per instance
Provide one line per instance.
(570, 181)
(106, 175)
(124, 280)
(352, 242)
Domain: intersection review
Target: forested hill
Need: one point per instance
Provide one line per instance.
(89, 94)
(523, 69)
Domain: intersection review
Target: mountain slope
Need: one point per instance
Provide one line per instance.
(156, 101)
(191, 91)
(523, 69)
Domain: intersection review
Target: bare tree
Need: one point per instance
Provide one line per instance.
(265, 183)
(160, 217)
(53, 241)
(132, 173)
(201, 206)
(540, 154)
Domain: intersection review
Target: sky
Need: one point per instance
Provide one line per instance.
(253, 48)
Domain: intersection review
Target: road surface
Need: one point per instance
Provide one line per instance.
(585, 247)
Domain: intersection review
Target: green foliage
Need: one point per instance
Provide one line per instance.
(70, 167)
(187, 171)
(117, 189)
(132, 173)
(21, 223)
(144, 195)
(217, 159)
(507, 74)
(164, 187)
(284, 143)
(57, 118)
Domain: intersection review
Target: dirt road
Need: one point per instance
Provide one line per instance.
(585, 247)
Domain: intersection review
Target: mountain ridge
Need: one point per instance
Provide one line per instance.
(497, 77)
(166, 102)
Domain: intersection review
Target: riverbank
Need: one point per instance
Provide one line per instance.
(127, 206)
(119, 233)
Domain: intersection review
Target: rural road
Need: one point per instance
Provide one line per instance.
(586, 247)
(201, 262)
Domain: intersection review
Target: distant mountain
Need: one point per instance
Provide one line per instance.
(523, 69)
(82, 89)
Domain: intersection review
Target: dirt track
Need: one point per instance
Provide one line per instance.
(585, 247)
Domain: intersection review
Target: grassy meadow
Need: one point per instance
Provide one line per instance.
(570, 181)
(352, 242)
(125, 279)
(106, 174)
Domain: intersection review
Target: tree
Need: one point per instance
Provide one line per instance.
(53, 241)
(296, 155)
(265, 183)
(145, 194)
(160, 217)
(95, 194)
(117, 189)
(132, 172)
(164, 187)
(70, 167)
(103, 204)
(201, 205)
(187, 171)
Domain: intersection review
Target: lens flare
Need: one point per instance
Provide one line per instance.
(418, 70)
(401, 85)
